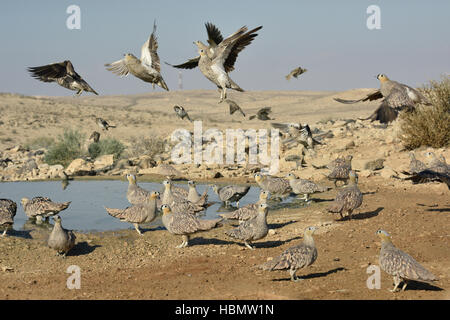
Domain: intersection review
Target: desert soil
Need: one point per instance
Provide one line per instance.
(124, 265)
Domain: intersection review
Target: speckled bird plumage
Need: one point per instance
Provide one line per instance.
(177, 202)
(399, 264)
(183, 224)
(348, 198)
(252, 229)
(42, 207)
(247, 212)
(231, 193)
(137, 214)
(396, 97)
(8, 209)
(300, 256)
(340, 169)
(303, 186)
(278, 187)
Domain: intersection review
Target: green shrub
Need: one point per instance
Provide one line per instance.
(429, 125)
(106, 146)
(65, 149)
(150, 146)
(40, 142)
(94, 149)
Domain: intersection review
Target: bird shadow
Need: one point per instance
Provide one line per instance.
(25, 234)
(279, 225)
(151, 228)
(273, 243)
(439, 210)
(363, 215)
(317, 200)
(205, 241)
(314, 275)
(435, 208)
(82, 248)
(416, 285)
(368, 193)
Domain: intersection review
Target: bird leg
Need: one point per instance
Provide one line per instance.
(293, 276)
(4, 232)
(79, 92)
(39, 219)
(136, 226)
(397, 281)
(247, 244)
(305, 197)
(223, 95)
(185, 242)
(405, 283)
(349, 213)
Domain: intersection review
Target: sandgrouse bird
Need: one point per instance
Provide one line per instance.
(63, 74)
(148, 68)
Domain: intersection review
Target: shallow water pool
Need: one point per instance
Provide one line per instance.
(86, 213)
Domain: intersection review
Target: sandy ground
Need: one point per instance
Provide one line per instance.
(123, 265)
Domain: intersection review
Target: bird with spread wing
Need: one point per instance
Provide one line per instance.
(397, 97)
(63, 74)
(148, 68)
(217, 59)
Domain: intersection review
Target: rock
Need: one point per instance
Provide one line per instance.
(217, 175)
(55, 171)
(388, 173)
(350, 145)
(146, 162)
(374, 165)
(80, 167)
(104, 163)
(365, 173)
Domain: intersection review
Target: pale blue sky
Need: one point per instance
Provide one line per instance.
(329, 38)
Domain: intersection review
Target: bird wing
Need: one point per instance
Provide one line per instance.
(190, 64)
(285, 127)
(149, 55)
(238, 46)
(214, 35)
(224, 49)
(234, 107)
(384, 113)
(371, 96)
(118, 67)
(398, 98)
(49, 73)
(264, 111)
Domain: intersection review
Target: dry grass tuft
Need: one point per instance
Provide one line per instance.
(429, 125)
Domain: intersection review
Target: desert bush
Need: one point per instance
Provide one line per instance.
(150, 146)
(40, 142)
(67, 148)
(106, 146)
(429, 125)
